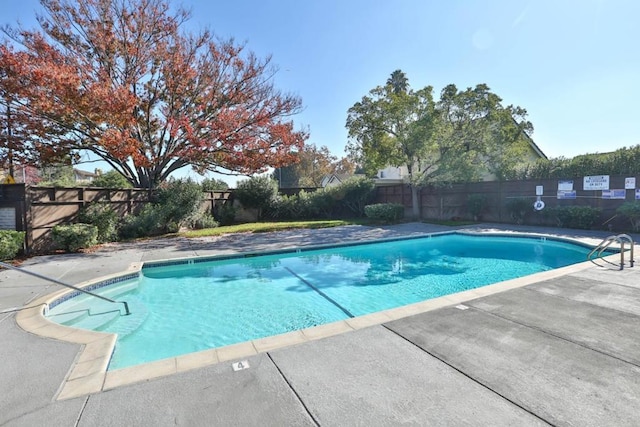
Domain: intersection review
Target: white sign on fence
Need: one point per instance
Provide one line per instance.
(596, 182)
(565, 185)
(630, 183)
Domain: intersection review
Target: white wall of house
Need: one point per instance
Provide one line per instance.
(393, 172)
(81, 176)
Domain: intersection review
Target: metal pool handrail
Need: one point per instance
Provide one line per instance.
(606, 242)
(40, 276)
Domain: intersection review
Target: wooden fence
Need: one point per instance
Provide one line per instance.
(450, 202)
(37, 210)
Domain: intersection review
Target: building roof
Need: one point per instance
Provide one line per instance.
(532, 144)
(535, 147)
(84, 174)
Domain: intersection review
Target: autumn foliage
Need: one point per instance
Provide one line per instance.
(122, 80)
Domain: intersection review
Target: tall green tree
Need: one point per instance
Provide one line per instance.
(488, 138)
(398, 81)
(213, 184)
(458, 138)
(391, 127)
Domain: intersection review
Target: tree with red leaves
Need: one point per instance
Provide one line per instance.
(121, 79)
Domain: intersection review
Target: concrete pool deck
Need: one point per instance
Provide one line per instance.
(561, 349)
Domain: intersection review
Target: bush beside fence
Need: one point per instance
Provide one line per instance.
(39, 209)
(512, 202)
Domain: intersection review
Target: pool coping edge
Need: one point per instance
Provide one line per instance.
(89, 375)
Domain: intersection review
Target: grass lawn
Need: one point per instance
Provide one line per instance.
(263, 227)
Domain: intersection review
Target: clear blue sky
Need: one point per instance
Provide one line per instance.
(574, 65)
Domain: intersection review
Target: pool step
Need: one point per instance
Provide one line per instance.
(118, 290)
(68, 317)
(106, 318)
(127, 324)
(91, 311)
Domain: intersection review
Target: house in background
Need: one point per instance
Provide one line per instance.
(392, 175)
(534, 152)
(335, 179)
(84, 177)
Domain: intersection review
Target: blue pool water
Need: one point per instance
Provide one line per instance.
(178, 309)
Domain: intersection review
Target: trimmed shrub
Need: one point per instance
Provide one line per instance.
(148, 222)
(322, 203)
(178, 202)
(388, 212)
(581, 217)
(295, 206)
(303, 208)
(283, 207)
(104, 217)
(631, 210)
(304, 205)
(74, 237)
(10, 243)
(354, 194)
(518, 209)
(225, 213)
(206, 220)
(257, 192)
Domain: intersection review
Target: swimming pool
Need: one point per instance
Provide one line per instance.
(185, 306)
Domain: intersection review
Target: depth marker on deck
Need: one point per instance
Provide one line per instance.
(239, 366)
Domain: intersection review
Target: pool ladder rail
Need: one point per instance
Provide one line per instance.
(40, 276)
(620, 239)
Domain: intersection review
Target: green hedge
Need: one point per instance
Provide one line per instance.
(575, 216)
(624, 161)
(204, 220)
(10, 243)
(104, 217)
(519, 208)
(631, 210)
(389, 212)
(148, 222)
(354, 194)
(74, 237)
(225, 213)
(177, 203)
(257, 192)
(348, 198)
